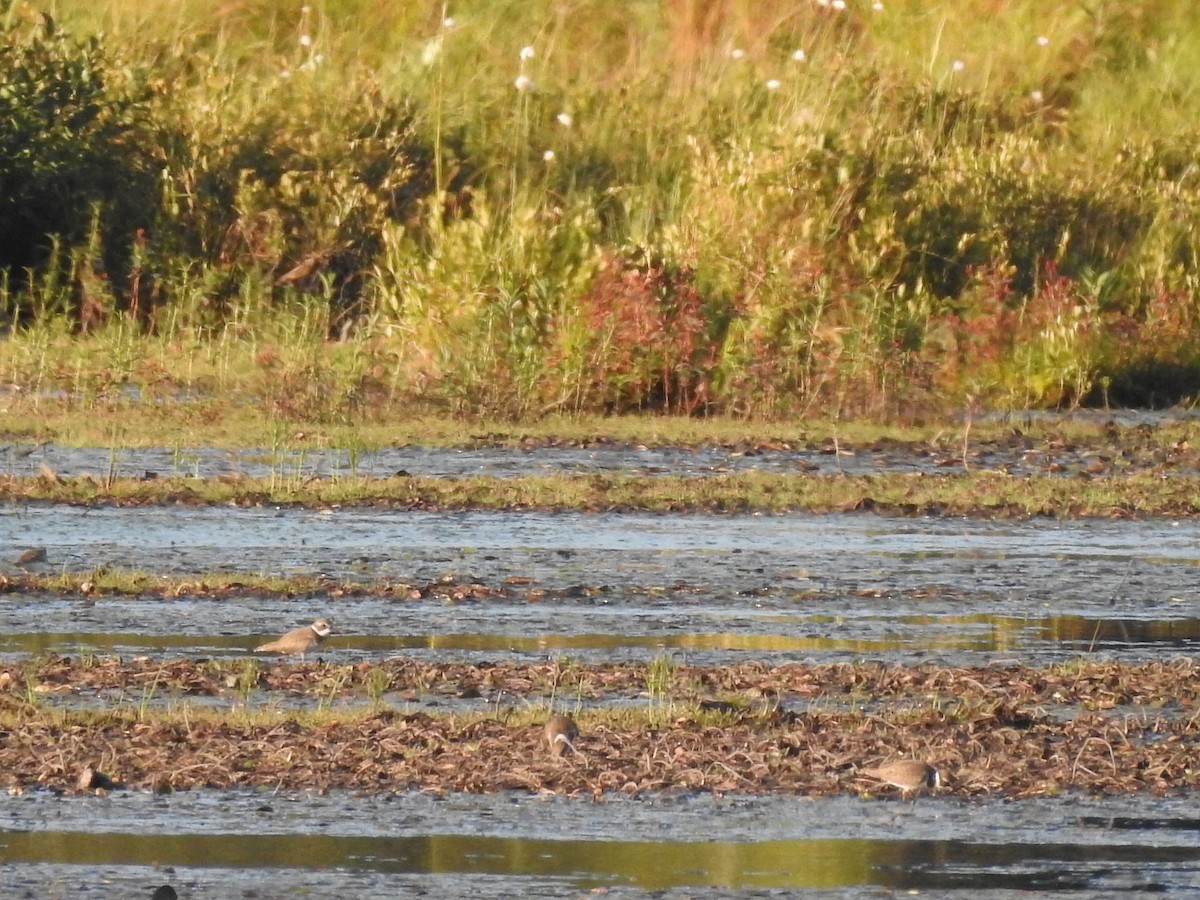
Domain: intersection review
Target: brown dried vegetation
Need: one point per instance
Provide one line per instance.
(1013, 731)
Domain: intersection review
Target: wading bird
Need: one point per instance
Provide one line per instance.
(910, 775)
(299, 640)
(560, 734)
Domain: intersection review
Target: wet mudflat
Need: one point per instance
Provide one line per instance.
(1102, 441)
(1044, 665)
(241, 844)
(706, 589)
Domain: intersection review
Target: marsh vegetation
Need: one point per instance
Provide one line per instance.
(345, 212)
(863, 241)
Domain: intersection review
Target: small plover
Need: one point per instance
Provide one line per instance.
(299, 640)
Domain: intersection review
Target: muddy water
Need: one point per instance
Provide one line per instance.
(420, 461)
(708, 589)
(1016, 457)
(244, 845)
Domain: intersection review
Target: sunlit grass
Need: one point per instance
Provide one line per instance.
(964, 493)
(770, 210)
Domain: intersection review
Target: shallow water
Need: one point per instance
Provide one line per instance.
(236, 844)
(508, 462)
(954, 639)
(708, 589)
(420, 461)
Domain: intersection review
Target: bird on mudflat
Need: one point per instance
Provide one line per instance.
(299, 640)
(910, 775)
(560, 734)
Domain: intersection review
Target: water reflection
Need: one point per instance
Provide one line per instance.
(862, 634)
(1139, 823)
(648, 865)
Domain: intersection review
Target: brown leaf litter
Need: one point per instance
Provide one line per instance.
(1012, 731)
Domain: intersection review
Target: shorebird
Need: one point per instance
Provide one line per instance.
(93, 780)
(299, 640)
(910, 775)
(560, 733)
(32, 555)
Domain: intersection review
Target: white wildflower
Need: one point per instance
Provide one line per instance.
(737, 53)
(548, 156)
(1043, 41)
(839, 5)
(523, 83)
(1036, 96)
(306, 40)
(957, 66)
(526, 53)
(799, 55)
(565, 120)
(448, 22)
(773, 84)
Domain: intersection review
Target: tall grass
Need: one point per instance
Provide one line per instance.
(759, 208)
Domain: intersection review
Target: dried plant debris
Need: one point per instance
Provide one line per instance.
(1163, 688)
(1013, 731)
(811, 753)
(117, 582)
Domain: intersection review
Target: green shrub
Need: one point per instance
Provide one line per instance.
(292, 194)
(76, 170)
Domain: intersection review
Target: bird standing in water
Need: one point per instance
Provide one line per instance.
(299, 640)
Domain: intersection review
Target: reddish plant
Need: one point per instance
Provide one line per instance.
(648, 346)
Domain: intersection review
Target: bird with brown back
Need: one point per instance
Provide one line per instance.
(299, 640)
(560, 733)
(910, 775)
